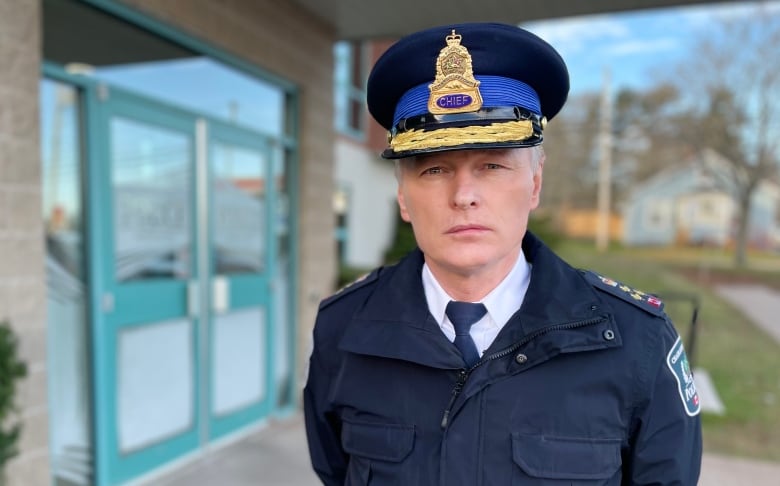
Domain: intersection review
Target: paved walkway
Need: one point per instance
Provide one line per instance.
(760, 304)
(276, 455)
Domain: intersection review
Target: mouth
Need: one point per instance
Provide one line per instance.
(465, 229)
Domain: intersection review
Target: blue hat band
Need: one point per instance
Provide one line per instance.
(496, 91)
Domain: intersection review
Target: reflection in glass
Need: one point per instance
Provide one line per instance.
(212, 88)
(239, 209)
(152, 182)
(68, 365)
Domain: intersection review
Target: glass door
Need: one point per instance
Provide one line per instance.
(146, 336)
(241, 266)
(190, 337)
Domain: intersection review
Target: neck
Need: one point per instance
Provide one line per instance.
(472, 285)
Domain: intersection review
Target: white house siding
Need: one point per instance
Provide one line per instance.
(370, 185)
(698, 205)
(650, 216)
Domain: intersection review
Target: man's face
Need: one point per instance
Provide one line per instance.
(469, 209)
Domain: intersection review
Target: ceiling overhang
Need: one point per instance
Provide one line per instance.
(372, 19)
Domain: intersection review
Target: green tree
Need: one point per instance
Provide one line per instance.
(11, 371)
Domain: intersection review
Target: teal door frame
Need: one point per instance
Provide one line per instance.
(249, 289)
(117, 306)
(123, 306)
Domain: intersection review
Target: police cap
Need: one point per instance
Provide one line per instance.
(461, 86)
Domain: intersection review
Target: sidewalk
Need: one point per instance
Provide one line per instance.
(274, 456)
(760, 304)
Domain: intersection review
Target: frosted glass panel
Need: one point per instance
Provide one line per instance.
(282, 358)
(155, 383)
(151, 176)
(239, 209)
(70, 435)
(239, 360)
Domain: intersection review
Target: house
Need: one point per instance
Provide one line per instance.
(695, 204)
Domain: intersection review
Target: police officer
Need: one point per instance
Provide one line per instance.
(482, 358)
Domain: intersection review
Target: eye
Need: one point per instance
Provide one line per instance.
(492, 166)
(433, 170)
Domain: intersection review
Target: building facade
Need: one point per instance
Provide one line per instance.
(365, 198)
(166, 228)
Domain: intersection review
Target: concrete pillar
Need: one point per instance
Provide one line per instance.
(22, 279)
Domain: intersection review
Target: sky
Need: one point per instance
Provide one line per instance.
(632, 46)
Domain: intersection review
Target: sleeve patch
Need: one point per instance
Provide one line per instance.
(648, 302)
(677, 362)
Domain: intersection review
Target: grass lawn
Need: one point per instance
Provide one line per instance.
(743, 361)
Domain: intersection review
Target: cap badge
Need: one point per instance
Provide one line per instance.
(454, 90)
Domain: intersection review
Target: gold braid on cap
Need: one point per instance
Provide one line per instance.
(513, 131)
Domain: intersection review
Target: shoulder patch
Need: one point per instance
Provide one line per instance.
(647, 302)
(677, 362)
(359, 282)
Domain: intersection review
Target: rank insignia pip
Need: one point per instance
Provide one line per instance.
(646, 301)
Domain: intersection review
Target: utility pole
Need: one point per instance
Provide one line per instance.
(605, 166)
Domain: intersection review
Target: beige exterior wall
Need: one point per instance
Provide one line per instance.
(22, 281)
(294, 45)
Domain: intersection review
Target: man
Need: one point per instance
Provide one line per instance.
(482, 358)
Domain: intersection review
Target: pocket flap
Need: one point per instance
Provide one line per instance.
(386, 442)
(542, 456)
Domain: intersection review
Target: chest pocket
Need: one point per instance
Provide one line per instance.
(552, 461)
(377, 452)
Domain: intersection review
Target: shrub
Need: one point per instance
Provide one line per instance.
(11, 371)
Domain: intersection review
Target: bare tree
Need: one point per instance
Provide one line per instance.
(570, 144)
(731, 85)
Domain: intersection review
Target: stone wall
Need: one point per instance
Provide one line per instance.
(22, 280)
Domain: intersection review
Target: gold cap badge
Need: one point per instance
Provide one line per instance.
(454, 90)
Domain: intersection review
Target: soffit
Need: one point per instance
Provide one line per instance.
(370, 19)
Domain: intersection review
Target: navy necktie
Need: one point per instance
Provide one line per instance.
(463, 315)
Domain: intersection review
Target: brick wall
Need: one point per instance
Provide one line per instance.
(22, 281)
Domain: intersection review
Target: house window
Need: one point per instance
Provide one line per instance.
(350, 87)
(658, 215)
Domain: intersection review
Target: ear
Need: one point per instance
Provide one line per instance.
(537, 181)
(402, 206)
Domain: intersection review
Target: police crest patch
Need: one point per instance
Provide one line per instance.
(677, 362)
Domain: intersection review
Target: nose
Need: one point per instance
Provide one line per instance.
(465, 190)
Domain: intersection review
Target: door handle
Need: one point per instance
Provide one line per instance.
(193, 298)
(220, 295)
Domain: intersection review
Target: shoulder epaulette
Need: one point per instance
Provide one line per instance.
(647, 302)
(359, 282)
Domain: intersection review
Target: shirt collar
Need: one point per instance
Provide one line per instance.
(501, 303)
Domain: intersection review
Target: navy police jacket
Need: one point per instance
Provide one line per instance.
(586, 384)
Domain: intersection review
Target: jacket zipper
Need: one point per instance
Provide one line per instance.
(464, 374)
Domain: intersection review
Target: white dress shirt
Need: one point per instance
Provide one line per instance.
(501, 303)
